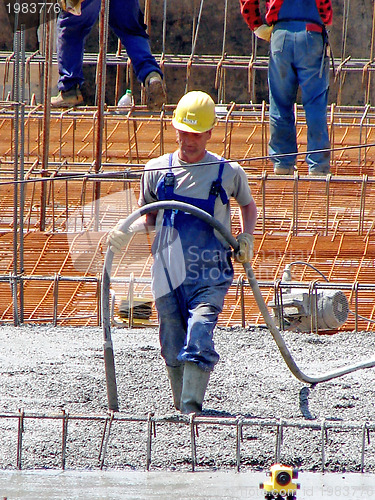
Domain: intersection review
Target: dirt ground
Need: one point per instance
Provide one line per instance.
(45, 370)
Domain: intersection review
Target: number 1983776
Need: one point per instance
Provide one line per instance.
(32, 7)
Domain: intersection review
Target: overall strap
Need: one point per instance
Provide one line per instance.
(169, 180)
(165, 186)
(217, 188)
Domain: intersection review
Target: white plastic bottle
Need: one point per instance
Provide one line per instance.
(126, 100)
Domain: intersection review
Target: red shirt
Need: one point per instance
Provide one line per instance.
(251, 12)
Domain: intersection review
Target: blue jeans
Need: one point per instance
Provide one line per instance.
(187, 318)
(297, 59)
(126, 20)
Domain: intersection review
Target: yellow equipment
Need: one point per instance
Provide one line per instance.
(142, 308)
(195, 112)
(281, 483)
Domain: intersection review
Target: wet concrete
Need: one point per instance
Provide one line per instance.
(136, 485)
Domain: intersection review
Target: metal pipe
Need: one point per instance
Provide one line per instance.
(175, 205)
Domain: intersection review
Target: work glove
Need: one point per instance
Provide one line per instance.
(264, 32)
(246, 248)
(71, 6)
(117, 239)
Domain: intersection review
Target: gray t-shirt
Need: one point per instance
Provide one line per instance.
(195, 181)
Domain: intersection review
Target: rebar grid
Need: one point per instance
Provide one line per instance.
(193, 422)
(63, 299)
(137, 136)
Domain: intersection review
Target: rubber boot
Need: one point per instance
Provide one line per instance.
(194, 387)
(175, 374)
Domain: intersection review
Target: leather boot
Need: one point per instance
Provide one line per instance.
(155, 91)
(194, 387)
(175, 374)
(67, 99)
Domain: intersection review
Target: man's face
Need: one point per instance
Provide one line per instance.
(192, 146)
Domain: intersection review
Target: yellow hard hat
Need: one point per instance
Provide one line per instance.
(195, 112)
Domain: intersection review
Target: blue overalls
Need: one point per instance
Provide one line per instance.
(188, 313)
(298, 58)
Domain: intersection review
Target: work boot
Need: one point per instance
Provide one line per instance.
(68, 98)
(194, 387)
(284, 170)
(155, 91)
(175, 374)
(317, 172)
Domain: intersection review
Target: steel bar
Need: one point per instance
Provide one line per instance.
(47, 78)
(150, 430)
(192, 427)
(354, 64)
(22, 168)
(16, 320)
(107, 432)
(20, 417)
(101, 81)
(64, 438)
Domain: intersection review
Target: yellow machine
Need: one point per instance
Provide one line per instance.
(281, 484)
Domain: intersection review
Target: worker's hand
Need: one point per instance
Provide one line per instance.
(117, 239)
(246, 248)
(71, 6)
(264, 32)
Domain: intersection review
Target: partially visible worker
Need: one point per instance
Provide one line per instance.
(192, 267)
(74, 24)
(299, 57)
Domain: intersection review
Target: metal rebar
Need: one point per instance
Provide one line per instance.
(16, 144)
(22, 168)
(64, 437)
(19, 438)
(239, 438)
(279, 440)
(46, 114)
(323, 435)
(192, 441)
(192, 421)
(101, 81)
(150, 428)
(105, 441)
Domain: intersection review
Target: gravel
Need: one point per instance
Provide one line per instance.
(47, 370)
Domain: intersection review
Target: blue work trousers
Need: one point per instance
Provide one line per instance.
(187, 318)
(126, 20)
(298, 59)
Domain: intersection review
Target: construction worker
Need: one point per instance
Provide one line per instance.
(298, 58)
(192, 269)
(74, 24)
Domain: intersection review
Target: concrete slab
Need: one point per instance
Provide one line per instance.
(138, 485)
